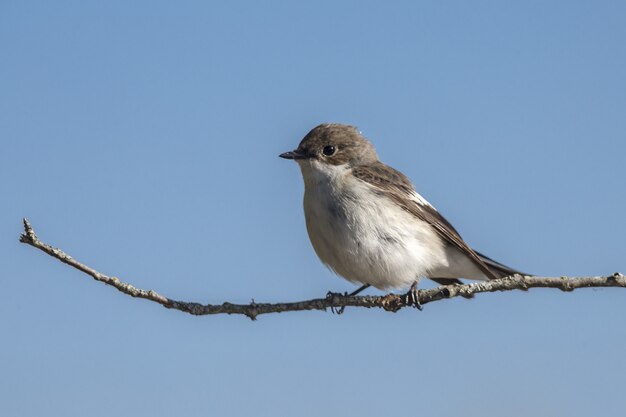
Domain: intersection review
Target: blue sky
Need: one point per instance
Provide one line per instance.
(143, 139)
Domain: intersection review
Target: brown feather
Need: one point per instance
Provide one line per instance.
(396, 186)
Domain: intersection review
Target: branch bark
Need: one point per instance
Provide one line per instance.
(334, 301)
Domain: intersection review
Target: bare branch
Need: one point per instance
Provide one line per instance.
(389, 302)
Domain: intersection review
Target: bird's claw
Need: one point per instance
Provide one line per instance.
(412, 297)
(338, 310)
(330, 296)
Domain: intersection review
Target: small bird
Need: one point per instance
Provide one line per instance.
(367, 223)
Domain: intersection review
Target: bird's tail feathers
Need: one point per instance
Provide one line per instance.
(497, 268)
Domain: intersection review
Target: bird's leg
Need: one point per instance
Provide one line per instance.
(412, 297)
(358, 290)
(345, 294)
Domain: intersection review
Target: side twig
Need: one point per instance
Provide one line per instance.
(389, 302)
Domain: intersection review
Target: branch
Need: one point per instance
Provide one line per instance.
(334, 301)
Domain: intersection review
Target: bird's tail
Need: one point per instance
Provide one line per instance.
(497, 268)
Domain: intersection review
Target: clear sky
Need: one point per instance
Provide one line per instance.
(143, 138)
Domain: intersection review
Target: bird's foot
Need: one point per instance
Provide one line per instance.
(412, 298)
(331, 296)
(339, 310)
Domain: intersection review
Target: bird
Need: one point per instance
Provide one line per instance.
(368, 224)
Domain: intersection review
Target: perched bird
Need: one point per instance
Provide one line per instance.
(367, 223)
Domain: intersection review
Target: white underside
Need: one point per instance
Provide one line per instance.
(367, 238)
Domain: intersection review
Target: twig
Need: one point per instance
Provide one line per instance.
(389, 302)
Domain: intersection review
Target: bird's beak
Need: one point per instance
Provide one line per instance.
(293, 155)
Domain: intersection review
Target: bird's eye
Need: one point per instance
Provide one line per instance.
(328, 150)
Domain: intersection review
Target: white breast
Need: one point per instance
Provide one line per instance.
(363, 236)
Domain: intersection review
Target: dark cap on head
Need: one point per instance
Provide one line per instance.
(335, 144)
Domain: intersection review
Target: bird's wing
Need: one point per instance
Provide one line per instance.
(395, 185)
